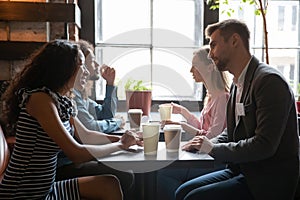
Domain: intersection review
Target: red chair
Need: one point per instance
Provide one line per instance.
(4, 154)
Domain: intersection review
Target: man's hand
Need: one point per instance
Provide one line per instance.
(123, 121)
(108, 74)
(199, 143)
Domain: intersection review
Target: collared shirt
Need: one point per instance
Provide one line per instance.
(99, 117)
(240, 86)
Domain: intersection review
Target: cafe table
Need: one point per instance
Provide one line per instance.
(146, 166)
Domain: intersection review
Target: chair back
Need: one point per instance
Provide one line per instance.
(4, 154)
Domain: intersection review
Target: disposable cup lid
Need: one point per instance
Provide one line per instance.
(152, 124)
(165, 105)
(172, 127)
(135, 111)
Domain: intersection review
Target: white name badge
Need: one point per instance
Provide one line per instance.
(240, 109)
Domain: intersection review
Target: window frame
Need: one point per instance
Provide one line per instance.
(152, 49)
(87, 32)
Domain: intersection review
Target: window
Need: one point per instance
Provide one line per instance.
(150, 40)
(283, 34)
(280, 18)
(153, 41)
(294, 17)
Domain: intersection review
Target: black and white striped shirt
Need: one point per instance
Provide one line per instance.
(32, 167)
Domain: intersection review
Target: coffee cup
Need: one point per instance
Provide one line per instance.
(135, 117)
(150, 138)
(172, 134)
(165, 111)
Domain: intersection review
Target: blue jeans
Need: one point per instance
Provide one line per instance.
(168, 180)
(222, 184)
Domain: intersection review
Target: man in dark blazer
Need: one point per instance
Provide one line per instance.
(260, 144)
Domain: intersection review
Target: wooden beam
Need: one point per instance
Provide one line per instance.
(87, 30)
(17, 50)
(40, 12)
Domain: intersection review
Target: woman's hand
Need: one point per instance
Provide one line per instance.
(165, 122)
(201, 132)
(130, 138)
(177, 109)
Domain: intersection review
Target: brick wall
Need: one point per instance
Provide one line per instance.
(30, 32)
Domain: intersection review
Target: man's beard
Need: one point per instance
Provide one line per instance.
(221, 66)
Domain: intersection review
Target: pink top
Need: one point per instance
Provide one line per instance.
(212, 117)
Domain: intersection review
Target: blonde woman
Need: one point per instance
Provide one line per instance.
(211, 123)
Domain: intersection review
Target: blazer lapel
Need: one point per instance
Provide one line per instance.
(249, 77)
(246, 88)
(231, 110)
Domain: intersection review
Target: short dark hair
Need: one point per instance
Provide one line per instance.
(85, 46)
(228, 28)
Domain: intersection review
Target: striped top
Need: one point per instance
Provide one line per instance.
(32, 167)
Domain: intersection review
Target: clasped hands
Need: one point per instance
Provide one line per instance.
(130, 137)
(199, 143)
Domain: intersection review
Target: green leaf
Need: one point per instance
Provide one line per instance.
(252, 2)
(128, 84)
(257, 12)
(136, 85)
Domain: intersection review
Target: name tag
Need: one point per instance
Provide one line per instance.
(240, 109)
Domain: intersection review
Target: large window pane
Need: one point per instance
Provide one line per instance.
(285, 60)
(130, 63)
(172, 73)
(176, 16)
(119, 17)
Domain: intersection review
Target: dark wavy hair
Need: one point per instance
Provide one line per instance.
(51, 66)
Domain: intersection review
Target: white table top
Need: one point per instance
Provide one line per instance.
(136, 161)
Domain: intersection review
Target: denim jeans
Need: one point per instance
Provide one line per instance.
(168, 180)
(222, 184)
